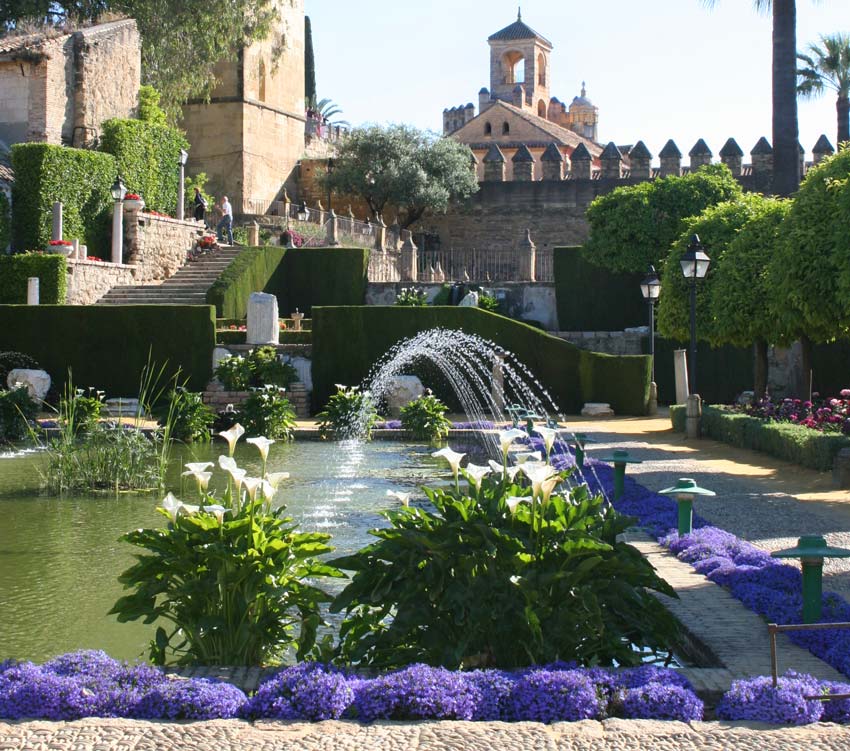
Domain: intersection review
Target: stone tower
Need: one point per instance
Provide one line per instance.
(249, 137)
(519, 56)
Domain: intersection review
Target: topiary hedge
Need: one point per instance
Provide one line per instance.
(81, 179)
(5, 221)
(51, 271)
(592, 298)
(108, 346)
(146, 155)
(794, 443)
(299, 277)
(347, 341)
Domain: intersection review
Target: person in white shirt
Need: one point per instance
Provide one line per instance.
(225, 224)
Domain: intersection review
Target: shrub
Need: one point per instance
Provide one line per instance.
(10, 361)
(5, 221)
(499, 578)
(16, 410)
(81, 179)
(234, 372)
(425, 418)
(80, 411)
(145, 156)
(191, 418)
(488, 303)
(348, 413)
(51, 271)
(411, 297)
(262, 367)
(233, 545)
(267, 412)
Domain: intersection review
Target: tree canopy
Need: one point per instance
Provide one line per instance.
(400, 166)
(182, 40)
(634, 226)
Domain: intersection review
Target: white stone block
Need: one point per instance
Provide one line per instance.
(219, 353)
(36, 381)
(305, 371)
(263, 326)
(402, 390)
(597, 409)
(470, 300)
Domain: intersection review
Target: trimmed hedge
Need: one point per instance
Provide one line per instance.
(146, 156)
(592, 298)
(51, 271)
(347, 341)
(794, 443)
(679, 417)
(298, 277)
(80, 179)
(5, 221)
(108, 346)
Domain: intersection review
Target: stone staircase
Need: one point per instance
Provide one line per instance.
(187, 287)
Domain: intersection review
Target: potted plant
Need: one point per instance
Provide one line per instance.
(133, 202)
(62, 247)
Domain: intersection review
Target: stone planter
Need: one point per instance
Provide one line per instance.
(62, 250)
(134, 204)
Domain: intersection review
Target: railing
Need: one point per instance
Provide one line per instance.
(314, 128)
(773, 629)
(384, 266)
(480, 265)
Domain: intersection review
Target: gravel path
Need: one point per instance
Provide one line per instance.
(610, 735)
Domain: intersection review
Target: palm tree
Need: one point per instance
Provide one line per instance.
(828, 67)
(786, 156)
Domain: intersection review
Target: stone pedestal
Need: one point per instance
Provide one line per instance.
(694, 416)
(527, 258)
(263, 326)
(409, 257)
(653, 399)
(32, 290)
(56, 230)
(254, 235)
(680, 370)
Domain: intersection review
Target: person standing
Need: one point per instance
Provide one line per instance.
(200, 205)
(225, 224)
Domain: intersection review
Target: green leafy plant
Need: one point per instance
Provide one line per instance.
(232, 578)
(192, 419)
(425, 418)
(349, 412)
(267, 412)
(81, 410)
(16, 410)
(500, 576)
(488, 303)
(234, 372)
(262, 367)
(411, 297)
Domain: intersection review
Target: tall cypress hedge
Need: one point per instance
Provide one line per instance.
(146, 155)
(5, 221)
(81, 179)
(348, 341)
(51, 271)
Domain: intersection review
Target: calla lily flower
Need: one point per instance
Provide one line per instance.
(217, 511)
(198, 466)
(276, 478)
(521, 457)
(452, 457)
(238, 476)
(547, 486)
(171, 505)
(267, 489)
(227, 463)
(202, 478)
(233, 435)
(262, 443)
(501, 469)
(549, 436)
(189, 509)
(538, 474)
(475, 473)
(506, 440)
(403, 498)
(252, 484)
(513, 501)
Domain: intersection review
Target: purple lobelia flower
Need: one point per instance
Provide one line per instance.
(191, 699)
(555, 696)
(656, 701)
(757, 699)
(307, 691)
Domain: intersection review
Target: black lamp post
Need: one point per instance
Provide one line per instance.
(695, 264)
(650, 288)
(181, 186)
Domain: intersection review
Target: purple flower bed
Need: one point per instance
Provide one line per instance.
(757, 699)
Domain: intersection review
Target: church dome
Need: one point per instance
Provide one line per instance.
(582, 100)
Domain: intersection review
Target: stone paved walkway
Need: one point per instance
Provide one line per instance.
(233, 735)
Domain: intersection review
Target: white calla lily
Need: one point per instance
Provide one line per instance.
(198, 466)
(521, 457)
(507, 438)
(267, 489)
(537, 473)
(452, 457)
(227, 463)
(232, 435)
(189, 509)
(216, 510)
(202, 478)
(252, 485)
(501, 469)
(547, 486)
(262, 443)
(513, 501)
(403, 498)
(171, 505)
(238, 476)
(276, 478)
(475, 473)
(549, 436)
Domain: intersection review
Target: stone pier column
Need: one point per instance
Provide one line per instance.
(732, 156)
(333, 229)
(612, 162)
(671, 159)
(56, 232)
(640, 159)
(494, 165)
(523, 162)
(700, 155)
(32, 290)
(409, 257)
(581, 163)
(380, 234)
(552, 162)
(527, 258)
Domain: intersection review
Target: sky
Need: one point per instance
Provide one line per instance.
(657, 69)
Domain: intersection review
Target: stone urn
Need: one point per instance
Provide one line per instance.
(134, 204)
(61, 249)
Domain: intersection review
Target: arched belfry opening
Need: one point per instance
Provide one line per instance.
(541, 70)
(513, 66)
(541, 108)
(519, 55)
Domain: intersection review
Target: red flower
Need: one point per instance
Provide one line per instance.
(132, 197)
(54, 243)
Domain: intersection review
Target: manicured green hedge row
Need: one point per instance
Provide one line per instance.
(794, 443)
(80, 179)
(5, 222)
(347, 341)
(146, 156)
(253, 270)
(591, 298)
(678, 417)
(51, 271)
(107, 346)
(299, 277)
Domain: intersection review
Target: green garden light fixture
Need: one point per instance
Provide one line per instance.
(619, 459)
(811, 550)
(578, 443)
(684, 491)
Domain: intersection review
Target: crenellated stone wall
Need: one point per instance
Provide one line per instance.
(88, 281)
(157, 245)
